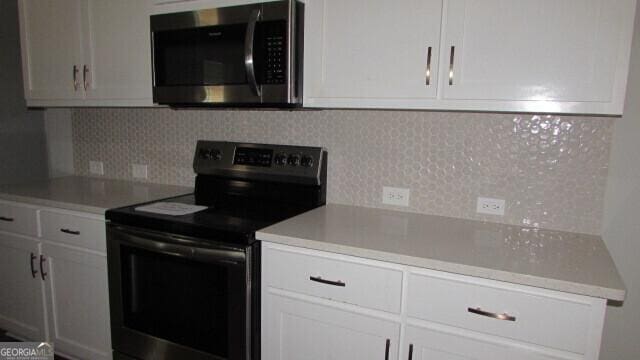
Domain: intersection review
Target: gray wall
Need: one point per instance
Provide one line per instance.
(22, 139)
(621, 223)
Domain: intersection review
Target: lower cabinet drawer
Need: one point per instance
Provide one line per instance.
(339, 278)
(553, 320)
(432, 344)
(81, 231)
(18, 219)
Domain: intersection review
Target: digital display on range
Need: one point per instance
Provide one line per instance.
(253, 157)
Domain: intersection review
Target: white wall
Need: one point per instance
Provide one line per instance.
(22, 139)
(621, 224)
(57, 126)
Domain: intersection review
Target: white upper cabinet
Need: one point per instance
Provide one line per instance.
(371, 53)
(486, 55)
(86, 52)
(537, 50)
(51, 52)
(119, 48)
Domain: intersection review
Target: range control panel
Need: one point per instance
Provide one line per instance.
(259, 160)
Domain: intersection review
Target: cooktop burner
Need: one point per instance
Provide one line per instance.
(245, 187)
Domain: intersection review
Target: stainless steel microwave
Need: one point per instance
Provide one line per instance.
(238, 56)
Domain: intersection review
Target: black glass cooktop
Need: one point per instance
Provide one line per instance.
(234, 219)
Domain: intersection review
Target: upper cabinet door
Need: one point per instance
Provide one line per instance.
(536, 50)
(371, 53)
(51, 48)
(118, 52)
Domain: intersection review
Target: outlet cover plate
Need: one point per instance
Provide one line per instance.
(96, 167)
(139, 171)
(490, 206)
(395, 196)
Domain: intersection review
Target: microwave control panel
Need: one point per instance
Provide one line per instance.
(275, 50)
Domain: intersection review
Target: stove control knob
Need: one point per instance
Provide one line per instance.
(306, 161)
(281, 159)
(215, 154)
(210, 154)
(293, 160)
(204, 154)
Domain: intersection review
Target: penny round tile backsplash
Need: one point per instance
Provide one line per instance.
(551, 170)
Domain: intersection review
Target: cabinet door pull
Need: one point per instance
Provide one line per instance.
(428, 75)
(75, 77)
(42, 273)
(71, 232)
(386, 349)
(410, 351)
(451, 61)
(504, 316)
(34, 272)
(7, 219)
(85, 79)
(327, 282)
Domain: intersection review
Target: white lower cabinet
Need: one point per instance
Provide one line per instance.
(298, 329)
(422, 343)
(77, 293)
(21, 297)
(54, 286)
(310, 312)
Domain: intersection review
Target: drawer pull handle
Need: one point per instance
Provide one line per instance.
(428, 74)
(386, 350)
(34, 272)
(327, 282)
(42, 273)
(504, 316)
(75, 77)
(71, 232)
(6, 219)
(85, 80)
(410, 351)
(451, 60)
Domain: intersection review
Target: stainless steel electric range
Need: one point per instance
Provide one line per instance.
(187, 286)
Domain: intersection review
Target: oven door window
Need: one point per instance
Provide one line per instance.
(194, 304)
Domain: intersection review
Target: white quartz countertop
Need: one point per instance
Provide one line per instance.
(85, 194)
(562, 261)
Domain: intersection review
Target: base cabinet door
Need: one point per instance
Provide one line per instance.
(21, 297)
(294, 329)
(78, 307)
(422, 343)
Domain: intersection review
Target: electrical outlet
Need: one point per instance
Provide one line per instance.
(490, 206)
(395, 196)
(139, 171)
(96, 167)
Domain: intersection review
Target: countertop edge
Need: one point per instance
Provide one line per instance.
(461, 269)
(53, 204)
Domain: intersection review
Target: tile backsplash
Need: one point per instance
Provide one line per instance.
(551, 170)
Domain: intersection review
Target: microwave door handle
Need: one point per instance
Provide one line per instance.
(248, 52)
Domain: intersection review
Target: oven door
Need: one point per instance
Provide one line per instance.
(170, 299)
(234, 55)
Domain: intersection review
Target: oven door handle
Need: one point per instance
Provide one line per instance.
(166, 244)
(248, 52)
